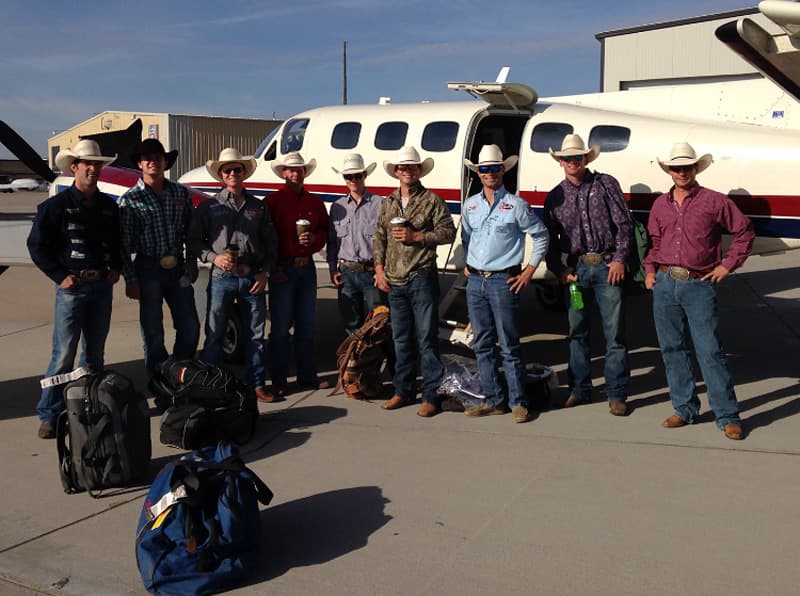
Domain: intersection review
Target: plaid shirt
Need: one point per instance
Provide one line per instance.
(153, 225)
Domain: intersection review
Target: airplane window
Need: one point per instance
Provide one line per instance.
(293, 135)
(266, 141)
(440, 136)
(610, 138)
(391, 135)
(345, 135)
(549, 134)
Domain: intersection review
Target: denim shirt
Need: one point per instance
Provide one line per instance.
(493, 236)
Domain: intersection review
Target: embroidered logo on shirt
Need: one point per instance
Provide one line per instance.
(472, 208)
(506, 207)
(252, 213)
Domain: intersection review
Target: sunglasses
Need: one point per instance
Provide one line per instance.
(494, 169)
(569, 158)
(407, 168)
(358, 176)
(233, 170)
(681, 168)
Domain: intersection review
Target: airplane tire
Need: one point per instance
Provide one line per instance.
(233, 344)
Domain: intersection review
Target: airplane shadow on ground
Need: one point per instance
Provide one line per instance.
(318, 528)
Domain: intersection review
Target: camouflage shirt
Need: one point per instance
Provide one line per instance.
(426, 212)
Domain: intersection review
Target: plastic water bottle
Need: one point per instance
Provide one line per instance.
(575, 296)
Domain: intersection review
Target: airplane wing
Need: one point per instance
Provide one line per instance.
(777, 57)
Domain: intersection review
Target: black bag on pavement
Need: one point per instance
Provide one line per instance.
(103, 436)
(202, 404)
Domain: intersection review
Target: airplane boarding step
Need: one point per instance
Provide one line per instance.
(454, 325)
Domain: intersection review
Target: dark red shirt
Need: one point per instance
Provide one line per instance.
(690, 235)
(286, 208)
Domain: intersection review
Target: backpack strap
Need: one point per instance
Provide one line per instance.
(66, 467)
(234, 465)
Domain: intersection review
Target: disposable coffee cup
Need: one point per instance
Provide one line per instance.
(303, 225)
(399, 222)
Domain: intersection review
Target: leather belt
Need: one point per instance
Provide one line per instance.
(511, 271)
(358, 266)
(297, 261)
(165, 262)
(595, 258)
(682, 273)
(89, 274)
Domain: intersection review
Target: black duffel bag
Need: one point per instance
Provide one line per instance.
(202, 404)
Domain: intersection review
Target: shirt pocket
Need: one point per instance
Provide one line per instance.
(342, 227)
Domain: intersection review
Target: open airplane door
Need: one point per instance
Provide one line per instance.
(777, 57)
(501, 123)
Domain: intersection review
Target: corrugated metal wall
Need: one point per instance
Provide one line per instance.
(200, 138)
(673, 54)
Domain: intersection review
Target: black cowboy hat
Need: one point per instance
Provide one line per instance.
(154, 146)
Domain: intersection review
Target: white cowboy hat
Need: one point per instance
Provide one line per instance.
(491, 155)
(683, 154)
(231, 155)
(353, 164)
(292, 160)
(408, 156)
(574, 145)
(86, 149)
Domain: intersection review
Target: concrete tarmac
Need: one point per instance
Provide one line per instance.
(375, 502)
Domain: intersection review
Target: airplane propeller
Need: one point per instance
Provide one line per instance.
(24, 152)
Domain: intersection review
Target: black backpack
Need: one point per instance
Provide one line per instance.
(103, 436)
(202, 404)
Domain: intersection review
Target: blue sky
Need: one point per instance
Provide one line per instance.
(60, 63)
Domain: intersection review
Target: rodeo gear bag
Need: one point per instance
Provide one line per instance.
(199, 531)
(361, 356)
(103, 436)
(202, 404)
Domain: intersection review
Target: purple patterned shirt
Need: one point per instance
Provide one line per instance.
(690, 236)
(592, 217)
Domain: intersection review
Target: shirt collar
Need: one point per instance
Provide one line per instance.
(499, 194)
(692, 192)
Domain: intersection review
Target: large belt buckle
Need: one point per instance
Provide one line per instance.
(678, 273)
(242, 270)
(592, 258)
(168, 262)
(301, 261)
(91, 274)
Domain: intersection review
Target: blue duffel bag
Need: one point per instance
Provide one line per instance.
(199, 531)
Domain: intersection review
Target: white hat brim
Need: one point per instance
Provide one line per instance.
(508, 163)
(277, 167)
(213, 166)
(368, 170)
(591, 153)
(701, 162)
(425, 166)
(65, 158)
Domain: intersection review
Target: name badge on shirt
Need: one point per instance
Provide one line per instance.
(76, 255)
(74, 226)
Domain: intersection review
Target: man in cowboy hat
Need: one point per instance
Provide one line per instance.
(352, 224)
(589, 221)
(411, 223)
(233, 231)
(683, 267)
(155, 216)
(494, 223)
(301, 221)
(74, 242)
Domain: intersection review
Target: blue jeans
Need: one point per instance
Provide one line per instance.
(593, 280)
(293, 302)
(692, 302)
(84, 311)
(493, 312)
(157, 286)
(414, 309)
(358, 288)
(223, 290)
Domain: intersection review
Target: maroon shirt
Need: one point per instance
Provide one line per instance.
(286, 208)
(690, 235)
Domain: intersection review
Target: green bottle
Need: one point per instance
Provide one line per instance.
(575, 296)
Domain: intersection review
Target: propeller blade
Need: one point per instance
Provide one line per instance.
(24, 152)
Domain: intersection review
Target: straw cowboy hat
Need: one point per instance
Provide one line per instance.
(231, 155)
(574, 145)
(491, 155)
(149, 146)
(85, 149)
(408, 156)
(353, 164)
(683, 154)
(292, 160)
